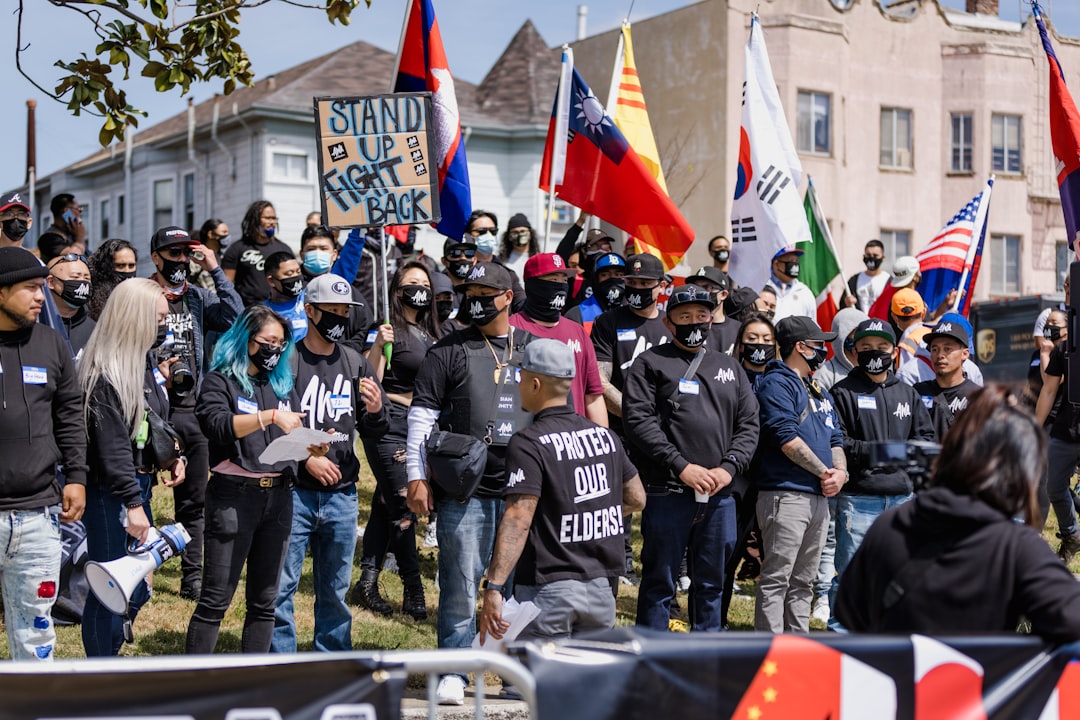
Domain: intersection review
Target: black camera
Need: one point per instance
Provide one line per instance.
(183, 379)
(912, 456)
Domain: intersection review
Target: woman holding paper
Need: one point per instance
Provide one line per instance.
(245, 404)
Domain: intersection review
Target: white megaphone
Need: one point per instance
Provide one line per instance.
(113, 582)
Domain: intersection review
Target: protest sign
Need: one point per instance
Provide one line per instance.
(377, 161)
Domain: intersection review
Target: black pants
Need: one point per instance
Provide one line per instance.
(190, 495)
(745, 494)
(392, 526)
(245, 524)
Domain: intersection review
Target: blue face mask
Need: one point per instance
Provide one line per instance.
(317, 262)
(486, 244)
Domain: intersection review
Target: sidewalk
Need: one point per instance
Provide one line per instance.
(415, 706)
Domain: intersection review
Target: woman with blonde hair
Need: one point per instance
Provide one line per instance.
(121, 381)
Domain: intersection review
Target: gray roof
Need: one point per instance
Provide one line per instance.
(520, 88)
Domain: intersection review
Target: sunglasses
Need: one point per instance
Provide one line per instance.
(69, 257)
(175, 253)
(481, 231)
(689, 297)
(459, 253)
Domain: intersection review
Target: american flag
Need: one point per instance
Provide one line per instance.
(951, 260)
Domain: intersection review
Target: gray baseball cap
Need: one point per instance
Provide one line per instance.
(329, 289)
(553, 358)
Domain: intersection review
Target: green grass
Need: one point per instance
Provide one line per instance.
(162, 624)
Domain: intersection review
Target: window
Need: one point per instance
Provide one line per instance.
(895, 138)
(1005, 143)
(120, 210)
(814, 123)
(896, 242)
(189, 202)
(104, 219)
(1064, 259)
(163, 204)
(290, 167)
(1005, 262)
(961, 143)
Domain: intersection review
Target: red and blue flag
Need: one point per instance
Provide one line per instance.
(422, 66)
(951, 260)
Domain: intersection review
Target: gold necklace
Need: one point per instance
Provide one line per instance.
(509, 352)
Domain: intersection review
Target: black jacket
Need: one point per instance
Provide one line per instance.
(987, 571)
(41, 418)
(871, 413)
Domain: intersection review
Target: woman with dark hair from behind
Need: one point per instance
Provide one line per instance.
(413, 329)
(965, 555)
(113, 262)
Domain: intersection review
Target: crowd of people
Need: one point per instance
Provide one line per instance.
(528, 404)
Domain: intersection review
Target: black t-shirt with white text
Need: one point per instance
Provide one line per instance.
(249, 262)
(577, 470)
(620, 335)
(180, 325)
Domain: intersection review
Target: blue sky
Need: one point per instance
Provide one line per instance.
(278, 36)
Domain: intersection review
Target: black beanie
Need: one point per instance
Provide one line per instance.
(18, 265)
(518, 221)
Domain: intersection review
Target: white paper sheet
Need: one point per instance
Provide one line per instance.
(294, 446)
(519, 615)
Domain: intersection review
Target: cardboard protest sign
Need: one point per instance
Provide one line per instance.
(377, 162)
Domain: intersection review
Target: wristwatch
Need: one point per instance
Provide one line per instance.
(486, 585)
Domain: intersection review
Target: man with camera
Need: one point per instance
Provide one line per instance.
(193, 311)
(873, 406)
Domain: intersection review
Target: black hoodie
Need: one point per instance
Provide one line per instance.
(41, 418)
(988, 570)
(870, 413)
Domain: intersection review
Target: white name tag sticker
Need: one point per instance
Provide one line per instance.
(867, 402)
(245, 406)
(688, 387)
(627, 335)
(299, 323)
(340, 402)
(371, 337)
(34, 375)
(158, 377)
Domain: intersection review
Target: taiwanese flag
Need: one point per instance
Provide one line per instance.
(422, 67)
(603, 175)
(1064, 135)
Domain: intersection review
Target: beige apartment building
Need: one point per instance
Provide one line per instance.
(899, 114)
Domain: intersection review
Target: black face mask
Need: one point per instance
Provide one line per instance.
(871, 263)
(175, 272)
(291, 287)
(76, 293)
(640, 299)
(611, 293)
(459, 268)
(481, 310)
(791, 268)
(16, 229)
(874, 362)
(722, 256)
(417, 297)
(1052, 333)
(817, 358)
(758, 353)
(331, 327)
(122, 276)
(162, 331)
(265, 358)
(443, 308)
(544, 299)
(692, 335)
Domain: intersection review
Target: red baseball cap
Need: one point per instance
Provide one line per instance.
(544, 263)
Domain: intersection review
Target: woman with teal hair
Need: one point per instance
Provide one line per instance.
(246, 402)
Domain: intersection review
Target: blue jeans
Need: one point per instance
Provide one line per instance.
(854, 516)
(106, 539)
(1061, 464)
(466, 533)
(29, 575)
(327, 522)
(827, 565)
(672, 524)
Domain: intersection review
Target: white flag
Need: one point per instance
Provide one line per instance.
(767, 215)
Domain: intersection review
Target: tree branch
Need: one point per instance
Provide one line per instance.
(18, 51)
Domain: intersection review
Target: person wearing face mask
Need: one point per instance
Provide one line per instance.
(720, 252)
(483, 228)
(1051, 328)
(519, 243)
(793, 297)
(214, 234)
(725, 330)
(320, 253)
(193, 313)
(244, 261)
(247, 401)
(339, 393)
(113, 262)
(609, 291)
(802, 464)
(287, 292)
(445, 306)
(864, 288)
(873, 406)
(546, 289)
(69, 283)
(467, 384)
(672, 391)
(15, 219)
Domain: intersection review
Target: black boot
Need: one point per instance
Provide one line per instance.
(365, 594)
(414, 604)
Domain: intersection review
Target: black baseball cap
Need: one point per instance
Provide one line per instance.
(690, 295)
(948, 329)
(14, 198)
(799, 328)
(739, 300)
(646, 266)
(452, 244)
(873, 327)
(711, 274)
(488, 274)
(168, 236)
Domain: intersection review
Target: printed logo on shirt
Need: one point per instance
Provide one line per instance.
(725, 375)
(505, 429)
(254, 258)
(34, 375)
(958, 404)
(642, 346)
(903, 410)
(574, 345)
(178, 323)
(515, 478)
(326, 404)
(822, 406)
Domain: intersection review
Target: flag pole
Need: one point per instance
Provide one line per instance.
(401, 45)
(560, 137)
(616, 72)
(969, 259)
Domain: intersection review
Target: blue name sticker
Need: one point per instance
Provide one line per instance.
(158, 377)
(688, 387)
(867, 402)
(340, 402)
(246, 406)
(627, 335)
(34, 375)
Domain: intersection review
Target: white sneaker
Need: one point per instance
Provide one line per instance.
(820, 610)
(431, 540)
(451, 690)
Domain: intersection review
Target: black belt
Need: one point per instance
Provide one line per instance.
(263, 483)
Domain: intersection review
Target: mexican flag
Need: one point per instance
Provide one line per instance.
(819, 266)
